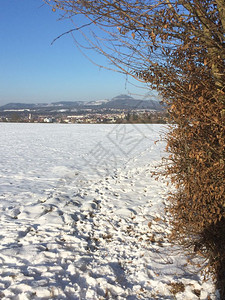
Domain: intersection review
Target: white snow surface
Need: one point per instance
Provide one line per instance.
(83, 218)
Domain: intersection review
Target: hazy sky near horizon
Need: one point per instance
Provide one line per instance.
(32, 70)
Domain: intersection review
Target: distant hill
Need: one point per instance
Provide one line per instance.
(97, 103)
(17, 106)
(118, 102)
(71, 104)
(128, 102)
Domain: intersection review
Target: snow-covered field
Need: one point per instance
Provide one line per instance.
(82, 218)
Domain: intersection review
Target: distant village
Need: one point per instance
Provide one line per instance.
(121, 109)
(89, 118)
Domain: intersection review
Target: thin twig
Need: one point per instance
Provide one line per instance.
(74, 29)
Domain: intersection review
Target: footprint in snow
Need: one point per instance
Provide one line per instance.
(22, 234)
(14, 213)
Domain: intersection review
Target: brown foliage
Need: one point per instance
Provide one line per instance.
(176, 287)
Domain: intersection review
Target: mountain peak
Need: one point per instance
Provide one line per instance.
(122, 97)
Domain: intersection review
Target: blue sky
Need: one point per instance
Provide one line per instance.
(32, 70)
